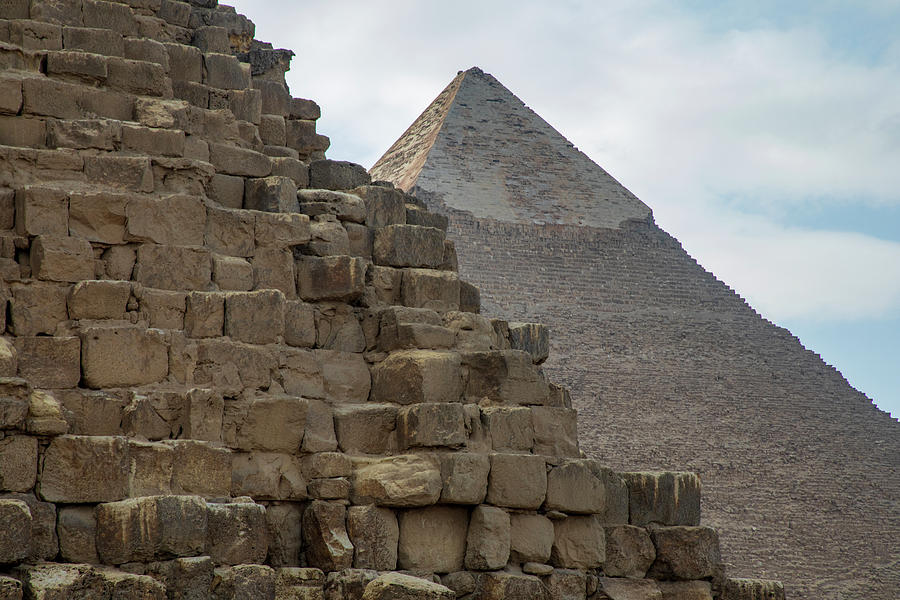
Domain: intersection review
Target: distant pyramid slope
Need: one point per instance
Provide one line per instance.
(490, 155)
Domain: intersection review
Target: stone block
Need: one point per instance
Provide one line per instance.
(510, 428)
(685, 552)
(337, 175)
(488, 539)
(91, 39)
(273, 269)
(401, 327)
(271, 194)
(267, 476)
(327, 464)
(578, 543)
(432, 424)
(427, 288)
(301, 136)
(15, 535)
(223, 71)
(105, 15)
(573, 487)
(132, 173)
(243, 582)
(36, 308)
(302, 108)
(288, 166)
(517, 481)
(173, 267)
(629, 589)
(150, 468)
(233, 366)
(272, 130)
(97, 217)
(299, 324)
(666, 498)
(629, 551)
(346, 376)
(255, 317)
(374, 533)
(268, 423)
(227, 190)
(44, 544)
(14, 9)
(685, 590)
(57, 11)
(22, 132)
(752, 589)
(41, 211)
(138, 77)
(330, 278)
(176, 13)
(566, 584)
(91, 413)
(200, 468)
(397, 586)
(57, 258)
(301, 375)
(232, 160)
(530, 538)
(122, 356)
(49, 362)
(555, 431)
(99, 299)
(420, 527)
(204, 315)
(285, 539)
(18, 463)
(44, 415)
(173, 221)
(185, 578)
(237, 533)
(400, 481)
(327, 544)
(338, 328)
(341, 205)
(504, 377)
(147, 49)
(416, 376)
(77, 530)
(231, 273)
(281, 230)
(14, 401)
(533, 338)
(33, 35)
(165, 310)
(81, 469)
(408, 246)
(84, 66)
(384, 206)
(213, 39)
(508, 586)
(156, 142)
(9, 359)
(151, 528)
(422, 217)
(366, 428)
(328, 237)
(465, 477)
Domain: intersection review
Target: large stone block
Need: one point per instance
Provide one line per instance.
(338, 328)
(419, 530)
(18, 463)
(243, 582)
(273, 269)
(77, 530)
(233, 366)
(402, 328)
(56, 258)
(123, 356)
(346, 376)
(224, 71)
(465, 477)
(285, 538)
(44, 543)
(685, 590)
(616, 588)
(409, 246)
(555, 431)
(204, 315)
(173, 267)
(685, 552)
(281, 230)
(366, 428)
(341, 205)
(374, 533)
(573, 487)
(666, 498)
(36, 307)
(138, 77)
(49, 362)
(22, 132)
(504, 377)
(200, 468)
(432, 424)
(508, 586)
(416, 376)
(517, 481)
(99, 299)
(566, 584)
(84, 133)
(151, 466)
(41, 211)
(578, 543)
(268, 423)
(230, 231)
(241, 162)
(237, 533)
(488, 539)
(151, 528)
(173, 221)
(427, 288)
(629, 551)
(533, 338)
(232, 274)
(384, 206)
(330, 277)
(98, 217)
(530, 538)
(100, 15)
(152, 141)
(268, 476)
(15, 535)
(80, 469)
(271, 194)
(45, 415)
(15, 394)
(400, 481)
(132, 173)
(510, 428)
(328, 546)
(255, 317)
(752, 589)
(397, 586)
(328, 237)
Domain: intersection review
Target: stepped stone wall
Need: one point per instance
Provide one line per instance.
(667, 365)
(231, 368)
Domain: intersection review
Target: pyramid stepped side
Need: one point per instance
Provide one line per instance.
(232, 368)
(669, 368)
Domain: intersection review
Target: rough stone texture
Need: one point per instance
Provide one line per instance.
(328, 546)
(121, 356)
(336, 175)
(685, 553)
(396, 586)
(531, 538)
(578, 543)
(488, 539)
(465, 477)
(416, 376)
(629, 551)
(517, 481)
(79, 469)
(374, 533)
(237, 533)
(420, 527)
(508, 586)
(663, 498)
(406, 480)
(16, 519)
(752, 589)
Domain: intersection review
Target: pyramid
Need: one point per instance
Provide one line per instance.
(666, 364)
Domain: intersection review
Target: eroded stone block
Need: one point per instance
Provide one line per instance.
(420, 527)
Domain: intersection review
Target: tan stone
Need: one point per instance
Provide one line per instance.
(488, 539)
(233, 366)
(435, 290)
(163, 309)
(9, 358)
(374, 533)
(685, 552)
(271, 194)
(204, 315)
(505, 377)
(667, 498)
(328, 237)
(91, 413)
(41, 211)
(237, 533)
(328, 546)
(408, 246)
(280, 230)
(118, 262)
(45, 415)
(77, 529)
(465, 477)
(44, 543)
(49, 362)
(330, 277)
(151, 467)
(79, 469)
(572, 487)
(122, 356)
(629, 589)
(510, 428)
(267, 476)
(285, 538)
(420, 527)
(268, 423)
(555, 431)
(578, 543)
(508, 586)
(431, 424)
(411, 328)
(341, 205)
(416, 376)
(230, 231)
(301, 375)
(14, 397)
(319, 435)
(200, 468)
(173, 267)
(530, 538)
(397, 586)
(36, 308)
(338, 328)
(254, 317)
(517, 481)
(231, 273)
(346, 376)
(273, 268)
(366, 428)
(685, 590)
(400, 481)
(299, 324)
(533, 338)
(629, 551)
(15, 535)
(99, 299)
(97, 216)
(56, 258)
(18, 463)
(566, 584)
(242, 582)
(735, 588)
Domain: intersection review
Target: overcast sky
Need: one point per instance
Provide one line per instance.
(765, 135)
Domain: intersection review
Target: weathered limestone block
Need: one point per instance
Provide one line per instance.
(44, 415)
(401, 328)
(41, 211)
(397, 586)
(243, 582)
(427, 288)
(629, 589)
(273, 268)
(666, 498)
(366, 428)
(374, 533)
(122, 356)
(9, 358)
(173, 267)
(685, 590)
(240, 162)
(555, 431)
(99, 299)
(49, 362)
(328, 546)
(138, 77)
(44, 544)
(285, 538)
(752, 589)
(417, 376)
(173, 221)
(530, 538)
(685, 552)
(384, 206)
(510, 428)
(507, 586)
(421, 527)
(330, 277)
(84, 133)
(10, 589)
(36, 308)
(505, 376)
(629, 551)
(566, 584)
(14, 399)
(84, 581)
(331, 488)
(22, 132)
(432, 424)
(572, 487)
(299, 324)
(328, 237)
(15, 535)
(231, 273)
(349, 583)
(409, 246)
(301, 375)
(399, 481)
(163, 309)
(77, 530)
(416, 215)
(255, 317)
(185, 578)
(98, 217)
(152, 527)
(18, 463)
(99, 15)
(151, 468)
(233, 366)
(578, 543)
(132, 173)
(237, 533)
(155, 142)
(346, 375)
(200, 468)
(92, 413)
(281, 230)
(517, 481)
(268, 423)
(473, 333)
(272, 129)
(327, 464)
(224, 71)
(268, 476)
(204, 315)
(488, 539)
(465, 477)
(533, 338)
(227, 190)
(336, 175)
(271, 194)
(55, 258)
(79, 469)
(338, 328)
(344, 206)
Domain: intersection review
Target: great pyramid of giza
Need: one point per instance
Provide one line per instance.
(667, 365)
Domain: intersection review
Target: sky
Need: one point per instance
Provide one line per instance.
(765, 135)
